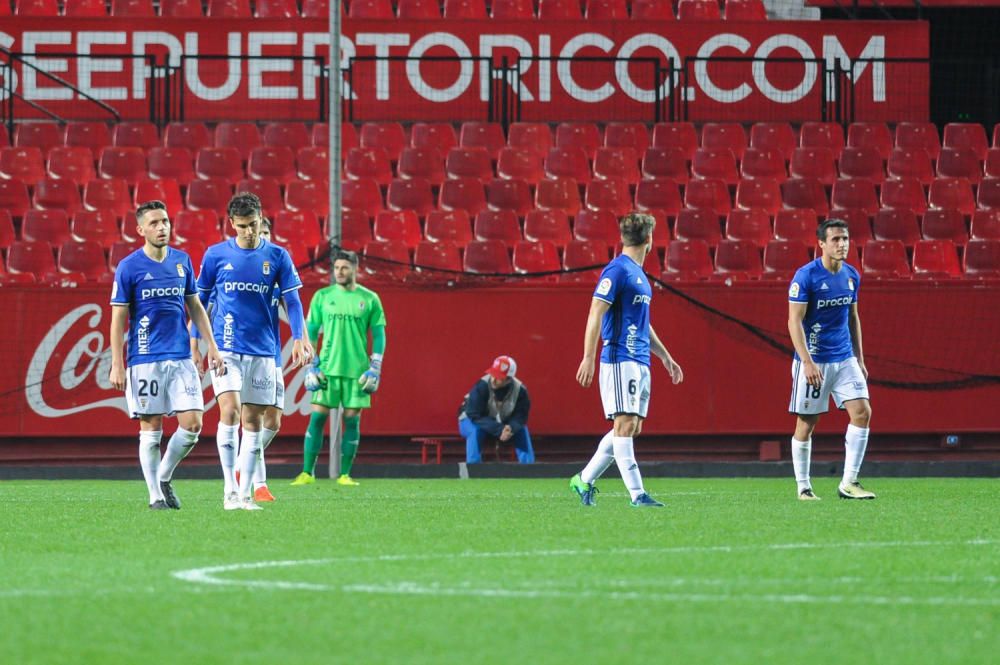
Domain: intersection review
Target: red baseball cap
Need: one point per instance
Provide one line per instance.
(503, 367)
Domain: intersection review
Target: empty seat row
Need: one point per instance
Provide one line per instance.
(167, 8)
(648, 10)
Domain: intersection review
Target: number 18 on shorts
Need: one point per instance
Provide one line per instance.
(842, 380)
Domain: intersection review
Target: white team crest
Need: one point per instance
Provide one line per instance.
(793, 290)
(850, 283)
(267, 267)
(180, 270)
(604, 288)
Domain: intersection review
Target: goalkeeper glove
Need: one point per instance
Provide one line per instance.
(369, 380)
(315, 379)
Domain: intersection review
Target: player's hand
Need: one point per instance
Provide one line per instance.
(675, 371)
(506, 433)
(300, 354)
(117, 377)
(814, 376)
(215, 362)
(308, 350)
(585, 372)
(197, 358)
(315, 379)
(370, 379)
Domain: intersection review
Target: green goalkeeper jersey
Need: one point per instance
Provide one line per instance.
(344, 319)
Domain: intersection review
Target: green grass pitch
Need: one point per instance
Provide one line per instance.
(501, 571)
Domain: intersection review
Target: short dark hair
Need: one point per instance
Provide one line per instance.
(832, 223)
(345, 255)
(147, 206)
(266, 221)
(636, 227)
(244, 204)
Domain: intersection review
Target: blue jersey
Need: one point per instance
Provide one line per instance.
(154, 292)
(245, 281)
(829, 297)
(275, 301)
(625, 327)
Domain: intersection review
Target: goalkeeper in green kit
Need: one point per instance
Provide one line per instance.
(343, 374)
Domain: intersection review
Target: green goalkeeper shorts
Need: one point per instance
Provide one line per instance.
(342, 391)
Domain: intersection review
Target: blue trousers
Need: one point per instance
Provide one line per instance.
(474, 438)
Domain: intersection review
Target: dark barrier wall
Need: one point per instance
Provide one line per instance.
(55, 361)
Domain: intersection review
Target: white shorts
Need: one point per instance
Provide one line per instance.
(279, 388)
(843, 380)
(163, 387)
(251, 376)
(624, 388)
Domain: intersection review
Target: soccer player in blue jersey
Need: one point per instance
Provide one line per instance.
(244, 273)
(825, 328)
(152, 287)
(619, 315)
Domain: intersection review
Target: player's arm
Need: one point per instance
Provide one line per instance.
(302, 350)
(315, 379)
(370, 378)
(591, 335)
(660, 351)
(195, 335)
(519, 418)
(201, 324)
(796, 315)
(854, 321)
(119, 314)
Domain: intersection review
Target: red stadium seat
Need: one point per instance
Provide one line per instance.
(688, 261)
(753, 226)
(277, 9)
(24, 164)
(724, 135)
(43, 135)
(371, 9)
(521, 164)
(93, 135)
(864, 163)
(676, 135)
(706, 194)
(910, 163)
(100, 226)
(782, 258)
(989, 194)
(581, 254)
(173, 163)
(294, 135)
(919, 136)
(822, 135)
(855, 194)
(298, 226)
(953, 193)
(462, 194)
(550, 225)
(268, 190)
(469, 163)
(715, 163)
(486, 135)
(57, 194)
(698, 10)
(558, 10)
(73, 163)
(665, 163)
(387, 258)
(627, 135)
(313, 195)
(132, 9)
(513, 195)
(944, 225)
(700, 225)
(499, 225)
(119, 251)
(966, 135)
(870, 135)
(885, 258)
(355, 230)
(534, 257)
(763, 163)
(487, 256)
(80, 8)
(181, 9)
(935, 258)
(982, 258)
(583, 135)
(652, 10)
(398, 225)
(606, 10)
(84, 256)
(513, 9)
(277, 162)
(859, 224)
(51, 226)
(197, 225)
(558, 193)
(389, 136)
(165, 189)
(223, 163)
(534, 136)
(368, 164)
(418, 9)
(991, 169)
(127, 163)
(425, 163)
(36, 8)
(243, 136)
(617, 163)
(191, 135)
(960, 163)
(597, 226)
(797, 226)
(448, 226)
(568, 163)
(739, 259)
(805, 193)
(355, 195)
(775, 136)
(313, 163)
(14, 197)
(33, 257)
(7, 233)
(212, 194)
(985, 225)
(762, 194)
(896, 224)
(438, 255)
(108, 194)
(745, 10)
(136, 134)
(814, 163)
(474, 9)
(658, 194)
(438, 135)
(905, 193)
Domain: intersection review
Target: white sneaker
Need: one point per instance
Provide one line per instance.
(231, 501)
(249, 504)
(854, 491)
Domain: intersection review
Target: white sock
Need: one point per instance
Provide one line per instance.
(855, 442)
(801, 457)
(249, 452)
(180, 444)
(260, 474)
(149, 460)
(601, 460)
(627, 466)
(226, 438)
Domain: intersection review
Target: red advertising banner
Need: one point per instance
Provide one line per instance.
(568, 70)
(56, 358)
